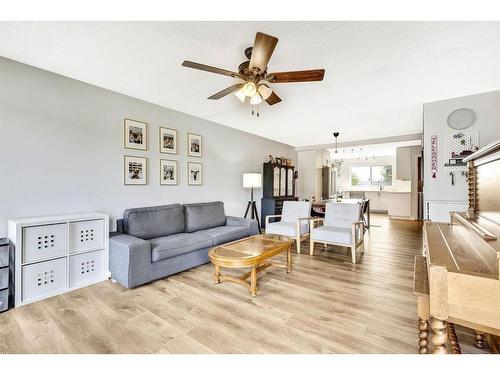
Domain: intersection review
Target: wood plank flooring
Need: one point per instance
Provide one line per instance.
(326, 305)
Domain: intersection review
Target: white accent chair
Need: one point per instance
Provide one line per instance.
(342, 227)
(294, 222)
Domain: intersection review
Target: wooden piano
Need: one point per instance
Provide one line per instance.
(457, 277)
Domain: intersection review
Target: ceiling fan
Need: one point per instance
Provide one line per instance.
(254, 79)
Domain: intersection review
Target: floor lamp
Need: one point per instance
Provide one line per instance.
(251, 181)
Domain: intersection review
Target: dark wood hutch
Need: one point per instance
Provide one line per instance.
(278, 185)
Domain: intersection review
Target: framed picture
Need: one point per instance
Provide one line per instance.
(135, 134)
(194, 145)
(168, 172)
(194, 173)
(168, 141)
(278, 160)
(135, 170)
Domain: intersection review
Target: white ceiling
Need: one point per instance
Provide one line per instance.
(378, 74)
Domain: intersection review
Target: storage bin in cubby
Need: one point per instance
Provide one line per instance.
(4, 278)
(86, 267)
(44, 242)
(86, 235)
(4, 256)
(43, 279)
(4, 299)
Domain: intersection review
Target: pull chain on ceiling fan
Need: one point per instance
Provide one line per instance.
(254, 79)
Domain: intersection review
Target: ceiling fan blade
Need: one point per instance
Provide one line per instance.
(263, 48)
(298, 76)
(273, 99)
(211, 69)
(226, 91)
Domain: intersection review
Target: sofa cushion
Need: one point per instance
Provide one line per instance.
(177, 244)
(332, 234)
(226, 234)
(152, 222)
(201, 216)
(287, 229)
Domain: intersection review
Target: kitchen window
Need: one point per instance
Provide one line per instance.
(371, 175)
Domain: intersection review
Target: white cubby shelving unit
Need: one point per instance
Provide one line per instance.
(56, 254)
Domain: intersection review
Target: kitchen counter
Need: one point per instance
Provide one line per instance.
(395, 201)
(376, 189)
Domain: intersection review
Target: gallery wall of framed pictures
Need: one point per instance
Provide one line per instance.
(135, 167)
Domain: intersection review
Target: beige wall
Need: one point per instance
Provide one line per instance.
(309, 167)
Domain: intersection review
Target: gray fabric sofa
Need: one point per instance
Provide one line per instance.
(154, 242)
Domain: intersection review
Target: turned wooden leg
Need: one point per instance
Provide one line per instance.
(289, 260)
(253, 281)
(479, 339)
(216, 273)
(298, 244)
(311, 246)
(455, 346)
(423, 336)
(439, 336)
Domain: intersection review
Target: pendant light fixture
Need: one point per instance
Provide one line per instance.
(337, 162)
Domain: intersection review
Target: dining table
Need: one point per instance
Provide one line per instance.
(318, 207)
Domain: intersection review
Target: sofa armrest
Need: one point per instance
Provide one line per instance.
(120, 226)
(251, 224)
(129, 259)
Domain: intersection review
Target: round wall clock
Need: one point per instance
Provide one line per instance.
(461, 118)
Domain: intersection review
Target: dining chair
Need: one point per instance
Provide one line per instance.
(341, 226)
(365, 205)
(294, 221)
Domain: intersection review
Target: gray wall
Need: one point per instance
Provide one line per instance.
(62, 150)
(487, 108)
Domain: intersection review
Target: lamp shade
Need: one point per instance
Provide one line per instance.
(252, 180)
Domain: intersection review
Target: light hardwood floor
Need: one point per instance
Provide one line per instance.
(326, 305)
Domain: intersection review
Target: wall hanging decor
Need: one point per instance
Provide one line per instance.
(434, 156)
(135, 170)
(194, 145)
(461, 119)
(168, 172)
(135, 134)
(195, 173)
(168, 141)
(456, 147)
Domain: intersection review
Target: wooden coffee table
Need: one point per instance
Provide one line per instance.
(250, 252)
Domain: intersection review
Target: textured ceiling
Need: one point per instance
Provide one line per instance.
(378, 74)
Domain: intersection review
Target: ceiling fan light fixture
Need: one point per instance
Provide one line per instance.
(265, 91)
(249, 89)
(240, 95)
(256, 99)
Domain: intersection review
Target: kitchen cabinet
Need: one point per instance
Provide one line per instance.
(399, 205)
(403, 163)
(384, 201)
(378, 200)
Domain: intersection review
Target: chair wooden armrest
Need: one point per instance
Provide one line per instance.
(362, 231)
(270, 216)
(304, 218)
(300, 219)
